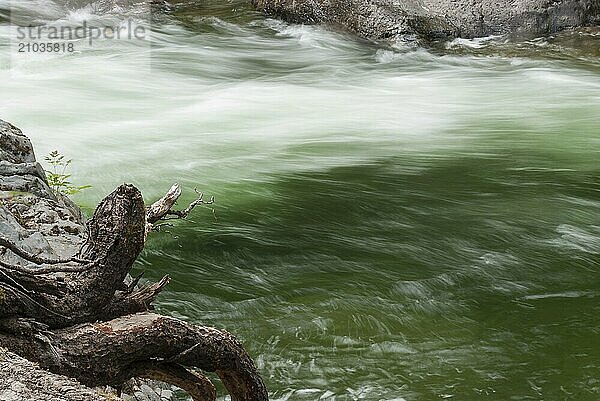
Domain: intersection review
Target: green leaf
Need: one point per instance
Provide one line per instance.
(60, 182)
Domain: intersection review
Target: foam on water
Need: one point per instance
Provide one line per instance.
(476, 43)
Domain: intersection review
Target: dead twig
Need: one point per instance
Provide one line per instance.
(162, 209)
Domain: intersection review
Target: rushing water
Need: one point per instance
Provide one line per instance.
(391, 223)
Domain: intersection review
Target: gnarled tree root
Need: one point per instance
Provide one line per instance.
(82, 316)
(48, 318)
(145, 345)
(88, 321)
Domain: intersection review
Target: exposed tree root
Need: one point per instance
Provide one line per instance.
(81, 316)
(35, 271)
(145, 345)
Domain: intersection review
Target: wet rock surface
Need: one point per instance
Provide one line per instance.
(426, 20)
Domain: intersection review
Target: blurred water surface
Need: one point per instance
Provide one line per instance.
(391, 223)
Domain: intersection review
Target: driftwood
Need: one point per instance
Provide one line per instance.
(78, 313)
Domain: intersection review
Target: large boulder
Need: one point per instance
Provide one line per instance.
(42, 221)
(45, 224)
(425, 20)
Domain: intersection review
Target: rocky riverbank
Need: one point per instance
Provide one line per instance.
(49, 224)
(427, 20)
(26, 201)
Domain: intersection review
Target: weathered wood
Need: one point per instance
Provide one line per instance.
(196, 385)
(161, 207)
(116, 238)
(76, 312)
(142, 345)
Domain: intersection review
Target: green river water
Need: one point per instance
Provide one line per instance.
(392, 223)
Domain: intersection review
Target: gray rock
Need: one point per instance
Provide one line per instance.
(37, 224)
(426, 20)
(148, 390)
(14, 146)
(30, 213)
(19, 170)
(7, 168)
(26, 183)
(22, 380)
(31, 241)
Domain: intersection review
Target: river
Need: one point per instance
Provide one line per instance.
(391, 223)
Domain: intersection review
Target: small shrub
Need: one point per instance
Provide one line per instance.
(58, 179)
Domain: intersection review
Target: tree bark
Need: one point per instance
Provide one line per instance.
(142, 345)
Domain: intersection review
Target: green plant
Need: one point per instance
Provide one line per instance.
(58, 179)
